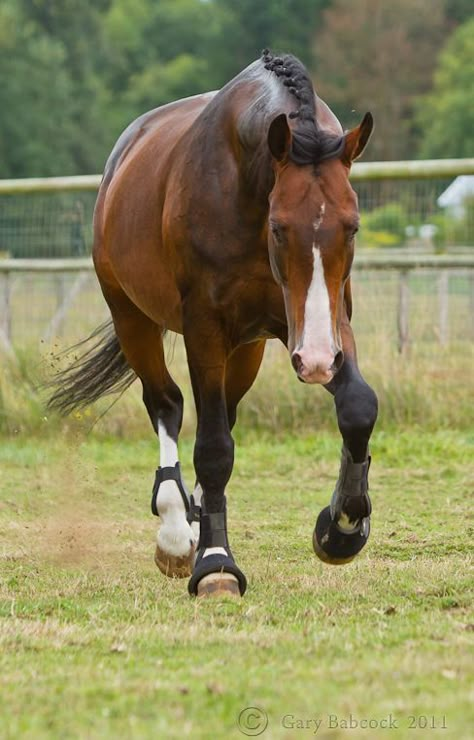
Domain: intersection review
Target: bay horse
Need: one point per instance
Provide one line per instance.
(228, 217)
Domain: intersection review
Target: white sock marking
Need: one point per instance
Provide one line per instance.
(345, 523)
(174, 535)
(197, 493)
(168, 447)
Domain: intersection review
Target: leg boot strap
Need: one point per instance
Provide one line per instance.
(170, 473)
(353, 483)
(213, 532)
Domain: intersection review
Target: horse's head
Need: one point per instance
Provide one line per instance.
(313, 219)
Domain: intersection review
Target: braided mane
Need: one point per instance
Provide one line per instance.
(310, 144)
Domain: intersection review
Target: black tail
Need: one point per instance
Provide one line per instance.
(100, 370)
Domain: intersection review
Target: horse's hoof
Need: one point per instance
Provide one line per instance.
(332, 545)
(217, 575)
(219, 585)
(175, 567)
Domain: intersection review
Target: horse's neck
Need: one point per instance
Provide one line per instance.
(257, 175)
(226, 129)
(255, 161)
(244, 108)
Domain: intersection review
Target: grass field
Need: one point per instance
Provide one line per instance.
(96, 643)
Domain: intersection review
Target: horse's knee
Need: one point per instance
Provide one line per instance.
(357, 410)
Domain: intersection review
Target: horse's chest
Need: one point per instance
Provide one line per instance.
(252, 306)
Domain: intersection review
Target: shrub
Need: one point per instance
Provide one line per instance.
(384, 226)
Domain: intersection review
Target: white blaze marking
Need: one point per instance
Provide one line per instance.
(317, 330)
(174, 535)
(320, 218)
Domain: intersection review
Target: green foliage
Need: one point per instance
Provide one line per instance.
(173, 48)
(384, 226)
(52, 99)
(446, 115)
(249, 26)
(76, 72)
(160, 82)
(454, 230)
(458, 11)
(379, 56)
(35, 115)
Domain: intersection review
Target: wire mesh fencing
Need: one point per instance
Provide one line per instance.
(412, 212)
(406, 209)
(392, 308)
(42, 225)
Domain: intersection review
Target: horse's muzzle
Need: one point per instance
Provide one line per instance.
(318, 369)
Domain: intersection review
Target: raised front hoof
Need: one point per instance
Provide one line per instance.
(218, 585)
(217, 575)
(172, 566)
(332, 545)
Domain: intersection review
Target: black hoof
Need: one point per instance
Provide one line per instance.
(222, 565)
(332, 545)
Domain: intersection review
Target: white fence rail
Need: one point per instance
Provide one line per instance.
(361, 171)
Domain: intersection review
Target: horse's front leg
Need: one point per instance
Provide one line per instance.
(215, 571)
(342, 528)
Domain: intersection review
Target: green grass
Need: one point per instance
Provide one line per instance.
(96, 643)
(431, 387)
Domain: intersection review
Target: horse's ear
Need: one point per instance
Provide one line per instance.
(279, 137)
(357, 138)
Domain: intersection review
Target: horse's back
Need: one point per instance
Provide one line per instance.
(128, 248)
(153, 127)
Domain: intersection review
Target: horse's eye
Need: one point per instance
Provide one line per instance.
(352, 233)
(277, 232)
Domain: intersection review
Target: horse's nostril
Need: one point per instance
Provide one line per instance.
(296, 361)
(338, 360)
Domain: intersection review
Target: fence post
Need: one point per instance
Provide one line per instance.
(403, 311)
(443, 297)
(471, 300)
(5, 314)
(60, 281)
(56, 323)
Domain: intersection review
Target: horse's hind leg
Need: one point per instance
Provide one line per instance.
(142, 343)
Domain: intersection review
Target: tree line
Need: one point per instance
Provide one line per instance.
(74, 73)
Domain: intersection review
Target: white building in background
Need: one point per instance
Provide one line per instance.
(454, 197)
